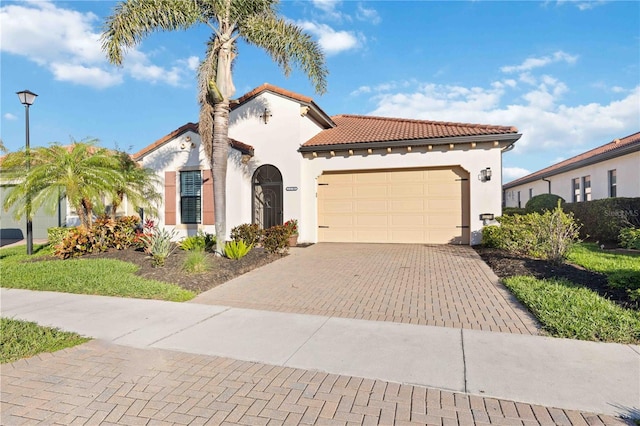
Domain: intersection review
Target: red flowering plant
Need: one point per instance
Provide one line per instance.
(292, 226)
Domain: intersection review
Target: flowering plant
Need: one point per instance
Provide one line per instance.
(292, 226)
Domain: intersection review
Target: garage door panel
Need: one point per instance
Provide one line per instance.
(395, 206)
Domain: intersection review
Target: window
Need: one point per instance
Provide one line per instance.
(190, 197)
(530, 193)
(586, 188)
(613, 189)
(575, 187)
(519, 205)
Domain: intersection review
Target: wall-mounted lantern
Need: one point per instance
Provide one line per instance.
(485, 174)
(486, 217)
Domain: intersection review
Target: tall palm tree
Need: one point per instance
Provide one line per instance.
(256, 21)
(139, 184)
(81, 172)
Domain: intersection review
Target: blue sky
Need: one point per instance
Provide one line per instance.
(565, 73)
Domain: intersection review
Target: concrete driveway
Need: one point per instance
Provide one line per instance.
(440, 285)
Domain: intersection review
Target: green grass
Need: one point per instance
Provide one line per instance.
(622, 270)
(20, 339)
(568, 310)
(106, 277)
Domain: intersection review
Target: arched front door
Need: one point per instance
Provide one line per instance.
(267, 196)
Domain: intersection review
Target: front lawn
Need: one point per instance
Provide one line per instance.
(106, 277)
(21, 339)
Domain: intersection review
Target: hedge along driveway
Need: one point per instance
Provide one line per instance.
(105, 277)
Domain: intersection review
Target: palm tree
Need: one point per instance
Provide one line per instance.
(138, 184)
(256, 21)
(81, 172)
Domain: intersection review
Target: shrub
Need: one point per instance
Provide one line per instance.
(236, 249)
(196, 261)
(200, 241)
(158, 245)
(543, 202)
(630, 238)
(513, 211)
(119, 234)
(78, 242)
(546, 236)
(250, 233)
(602, 220)
(56, 235)
(276, 239)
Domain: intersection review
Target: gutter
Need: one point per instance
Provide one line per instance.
(549, 182)
(511, 138)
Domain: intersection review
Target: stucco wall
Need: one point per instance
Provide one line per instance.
(628, 181)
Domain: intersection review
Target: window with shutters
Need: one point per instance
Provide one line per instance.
(191, 196)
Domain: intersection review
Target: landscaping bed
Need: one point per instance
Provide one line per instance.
(506, 265)
(221, 269)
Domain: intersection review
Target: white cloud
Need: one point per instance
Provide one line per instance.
(546, 124)
(330, 40)
(10, 117)
(193, 62)
(67, 43)
(368, 15)
(329, 7)
(511, 173)
(532, 63)
(584, 5)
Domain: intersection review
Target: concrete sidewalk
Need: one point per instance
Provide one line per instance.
(568, 374)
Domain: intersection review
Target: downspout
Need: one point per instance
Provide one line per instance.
(549, 182)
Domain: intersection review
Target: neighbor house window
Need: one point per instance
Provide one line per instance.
(586, 188)
(190, 196)
(613, 192)
(519, 205)
(575, 186)
(530, 193)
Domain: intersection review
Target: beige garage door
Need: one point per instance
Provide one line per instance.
(394, 206)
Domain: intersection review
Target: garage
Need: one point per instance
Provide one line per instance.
(426, 205)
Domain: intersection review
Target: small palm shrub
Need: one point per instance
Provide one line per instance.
(276, 239)
(196, 262)
(200, 241)
(237, 249)
(630, 238)
(250, 233)
(158, 245)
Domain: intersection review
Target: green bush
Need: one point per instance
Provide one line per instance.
(630, 238)
(547, 236)
(158, 245)
(543, 202)
(119, 234)
(200, 241)
(250, 233)
(602, 220)
(56, 235)
(276, 239)
(513, 211)
(196, 261)
(237, 249)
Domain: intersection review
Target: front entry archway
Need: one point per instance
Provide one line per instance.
(267, 196)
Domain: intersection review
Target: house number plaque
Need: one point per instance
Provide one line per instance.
(292, 188)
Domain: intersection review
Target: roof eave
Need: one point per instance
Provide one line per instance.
(578, 164)
(508, 138)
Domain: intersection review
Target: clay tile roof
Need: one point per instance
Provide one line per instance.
(189, 127)
(274, 89)
(590, 157)
(360, 129)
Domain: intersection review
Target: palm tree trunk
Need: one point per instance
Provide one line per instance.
(220, 155)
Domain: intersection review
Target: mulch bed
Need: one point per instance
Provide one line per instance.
(221, 271)
(505, 265)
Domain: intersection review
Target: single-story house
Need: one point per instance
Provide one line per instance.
(610, 170)
(345, 178)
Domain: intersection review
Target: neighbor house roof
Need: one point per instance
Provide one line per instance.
(189, 127)
(615, 148)
(360, 129)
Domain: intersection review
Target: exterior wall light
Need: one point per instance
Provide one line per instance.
(266, 115)
(486, 217)
(485, 174)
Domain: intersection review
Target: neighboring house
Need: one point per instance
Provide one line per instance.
(12, 230)
(346, 178)
(610, 170)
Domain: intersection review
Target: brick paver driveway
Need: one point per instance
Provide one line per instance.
(441, 285)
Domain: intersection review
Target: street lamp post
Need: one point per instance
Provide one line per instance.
(27, 98)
